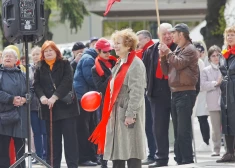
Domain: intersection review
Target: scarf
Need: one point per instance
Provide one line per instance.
(50, 63)
(99, 134)
(159, 73)
(214, 66)
(98, 67)
(228, 52)
(139, 53)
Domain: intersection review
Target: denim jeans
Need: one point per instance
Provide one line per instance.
(181, 109)
(40, 137)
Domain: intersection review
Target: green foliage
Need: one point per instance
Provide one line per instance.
(72, 10)
(50, 4)
(219, 29)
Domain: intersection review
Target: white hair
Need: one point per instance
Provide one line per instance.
(9, 51)
(165, 26)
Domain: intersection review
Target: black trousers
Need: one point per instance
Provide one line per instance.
(132, 163)
(86, 123)
(4, 150)
(230, 142)
(160, 108)
(205, 128)
(181, 108)
(67, 129)
(149, 130)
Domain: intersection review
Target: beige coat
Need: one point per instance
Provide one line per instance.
(122, 142)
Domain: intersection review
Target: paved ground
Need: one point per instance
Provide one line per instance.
(204, 160)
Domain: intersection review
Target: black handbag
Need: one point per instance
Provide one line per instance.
(68, 99)
(9, 117)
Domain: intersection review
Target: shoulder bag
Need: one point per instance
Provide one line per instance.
(68, 99)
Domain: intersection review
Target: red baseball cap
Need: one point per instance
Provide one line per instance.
(103, 44)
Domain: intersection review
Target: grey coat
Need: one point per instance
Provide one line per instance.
(121, 142)
(13, 84)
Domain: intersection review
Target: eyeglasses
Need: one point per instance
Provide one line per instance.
(105, 52)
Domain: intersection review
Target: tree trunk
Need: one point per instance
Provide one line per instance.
(212, 18)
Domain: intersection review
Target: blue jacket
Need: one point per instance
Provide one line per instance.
(83, 81)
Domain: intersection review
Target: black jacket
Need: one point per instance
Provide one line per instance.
(155, 87)
(63, 77)
(228, 96)
(102, 81)
(73, 65)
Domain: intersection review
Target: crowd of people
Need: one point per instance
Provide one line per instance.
(143, 85)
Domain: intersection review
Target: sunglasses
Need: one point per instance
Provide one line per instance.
(105, 52)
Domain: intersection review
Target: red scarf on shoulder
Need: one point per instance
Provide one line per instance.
(139, 53)
(99, 134)
(228, 52)
(98, 67)
(159, 73)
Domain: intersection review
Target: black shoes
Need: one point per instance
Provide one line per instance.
(147, 161)
(228, 157)
(88, 163)
(157, 164)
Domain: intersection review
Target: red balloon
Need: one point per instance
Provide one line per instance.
(91, 101)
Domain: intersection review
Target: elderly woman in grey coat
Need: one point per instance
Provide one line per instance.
(125, 102)
(12, 102)
(210, 82)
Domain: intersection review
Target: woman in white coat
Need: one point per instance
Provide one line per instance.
(200, 105)
(210, 82)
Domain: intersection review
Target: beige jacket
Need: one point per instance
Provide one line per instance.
(122, 142)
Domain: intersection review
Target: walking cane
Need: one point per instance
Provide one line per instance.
(51, 138)
(194, 144)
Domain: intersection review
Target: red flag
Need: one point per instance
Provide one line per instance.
(109, 5)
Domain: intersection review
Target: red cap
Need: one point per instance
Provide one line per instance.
(103, 44)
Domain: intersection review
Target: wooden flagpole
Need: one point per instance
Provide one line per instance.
(157, 11)
(158, 19)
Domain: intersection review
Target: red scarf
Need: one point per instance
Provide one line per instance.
(99, 134)
(139, 53)
(229, 51)
(98, 67)
(159, 73)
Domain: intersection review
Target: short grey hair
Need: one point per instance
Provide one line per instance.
(145, 33)
(9, 51)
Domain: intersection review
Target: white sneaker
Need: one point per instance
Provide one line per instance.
(204, 147)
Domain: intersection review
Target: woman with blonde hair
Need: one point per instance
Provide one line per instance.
(228, 94)
(52, 82)
(38, 125)
(122, 128)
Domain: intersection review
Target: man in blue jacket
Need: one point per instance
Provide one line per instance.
(83, 83)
